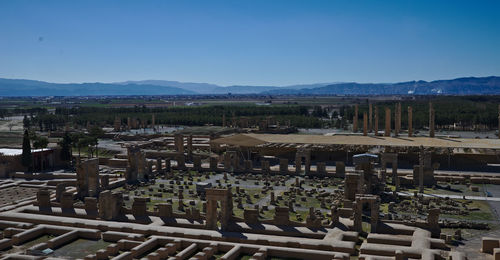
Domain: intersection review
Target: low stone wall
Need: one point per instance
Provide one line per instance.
(117, 163)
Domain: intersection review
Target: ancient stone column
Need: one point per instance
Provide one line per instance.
(197, 163)
(383, 176)
(339, 169)
(60, 189)
(3, 170)
(244, 122)
(248, 165)
(87, 174)
(431, 120)
(410, 121)
(228, 161)
(375, 126)
(321, 168)
(396, 131)
(399, 117)
(164, 210)
(358, 209)
(181, 161)
(231, 161)
(365, 124)
(350, 186)
(117, 124)
(180, 206)
(233, 120)
(283, 165)
(104, 182)
(312, 219)
(43, 199)
(67, 201)
(282, 216)
(168, 165)
(139, 207)
(396, 177)
(149, 172)
(153, 121)
(307, 166)
(90, 206)
(433, 221)
(355, 119)
(421, 170)
(136, 168)
(226, 210)
(298, 163)
(396, 120)
(213, 163)
(159, 168)
(190, 145)
(110, 204)
(211, 216)
(370, 116)
(335, 215)
(179, 143)
(498, 121)
(265, 167)
(290, 206)
(375, 209)
(387, 122)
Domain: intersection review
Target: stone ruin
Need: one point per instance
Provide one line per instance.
(303, 154)
(179, 143)
(351, 187)
(367, 181)
(87, 178)
(391, 158)
(374, 203)
(117, 124)
(231, 161)
(323, 237)
(136, 169)
(110, 205)
(423, 173)
(213, 196)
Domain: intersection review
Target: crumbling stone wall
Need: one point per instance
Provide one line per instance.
(87, 178)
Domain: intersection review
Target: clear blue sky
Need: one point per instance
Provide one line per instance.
(249, 42)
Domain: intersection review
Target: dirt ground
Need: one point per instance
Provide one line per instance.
(11, 124)
(246, 140)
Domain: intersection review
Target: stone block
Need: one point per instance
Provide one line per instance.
(101, 254)
(496, 253)
(488, 244)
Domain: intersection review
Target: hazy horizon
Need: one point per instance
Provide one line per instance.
(210, 83)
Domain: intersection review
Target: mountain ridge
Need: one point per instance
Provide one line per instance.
(458, 86)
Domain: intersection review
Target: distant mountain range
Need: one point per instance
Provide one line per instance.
(21, 87)
(205, 88)
(459, 86)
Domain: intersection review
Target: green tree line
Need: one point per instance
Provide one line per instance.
(191, 116)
